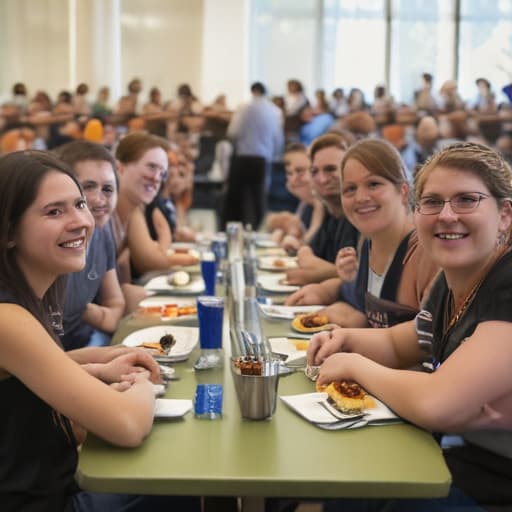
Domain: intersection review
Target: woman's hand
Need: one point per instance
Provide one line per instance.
(347, 264)
(324, 344)
(339, 367)
(307, 295)
(291, 244)
(127, 366)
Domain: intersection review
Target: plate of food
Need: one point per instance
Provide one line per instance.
(347, 397)
(150, 338)
(287, 312)
(176, 283)
(311, 323)
(339, 403)
(277, 263)
(292, 351)
(166, 308)
(276, 283)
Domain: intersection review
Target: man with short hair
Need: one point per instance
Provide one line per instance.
(316, 261)
(257, 131)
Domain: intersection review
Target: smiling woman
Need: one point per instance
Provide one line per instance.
(462, 333)
(49, 396)
(386, 282)
(142, 165)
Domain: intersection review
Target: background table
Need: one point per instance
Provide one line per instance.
(284, 456)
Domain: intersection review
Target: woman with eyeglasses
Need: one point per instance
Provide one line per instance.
(463, 333)
(142, 166)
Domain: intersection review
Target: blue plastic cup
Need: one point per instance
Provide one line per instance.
(210, 311)
(209, 272)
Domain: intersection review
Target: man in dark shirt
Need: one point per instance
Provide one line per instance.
(316, 261)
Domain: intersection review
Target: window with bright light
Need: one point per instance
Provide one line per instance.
(485, 45)
(282, 44)
(422, 41)
(354, 49)
(364, 43)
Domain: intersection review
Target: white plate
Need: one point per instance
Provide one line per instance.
(186, 340)
(283, 263)
(308, 406)
(274, 283)
(266, 243)
(273, 251)
(287, 312)
(163, 300)
(171, 408)
(286, 347)
(161, 285)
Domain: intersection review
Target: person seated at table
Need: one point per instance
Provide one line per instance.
(94, 302)
(17, 138)
(393, 271)
(142, 164)
(463, 217)
(316, 261)
(173, 188)
(181, 189)
(291, 230)
(46, 393)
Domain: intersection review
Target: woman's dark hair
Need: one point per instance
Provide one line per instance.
(19, 88)
(21, 174)
(82, 89)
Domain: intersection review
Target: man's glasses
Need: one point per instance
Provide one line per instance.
(460, 203)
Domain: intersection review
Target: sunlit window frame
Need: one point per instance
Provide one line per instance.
(323, 76)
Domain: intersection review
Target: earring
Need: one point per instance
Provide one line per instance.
(501, 239)
(10, 244)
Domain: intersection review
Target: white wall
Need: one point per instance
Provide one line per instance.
(225, 53)
(34, 45)
(56, 44)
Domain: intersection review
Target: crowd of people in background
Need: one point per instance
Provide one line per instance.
(209, 139)
(104, 190)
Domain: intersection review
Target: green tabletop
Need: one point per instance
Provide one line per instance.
(283, 456)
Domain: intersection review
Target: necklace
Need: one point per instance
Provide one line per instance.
(452, 317)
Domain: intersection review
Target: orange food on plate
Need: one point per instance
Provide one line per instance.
(174, 311)
(170, 311)
(348, 397)
(153, 345)
(299, 344)
(187, 310)
(310, 322)
(151, 310)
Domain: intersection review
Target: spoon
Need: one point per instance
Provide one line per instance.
(167, 342)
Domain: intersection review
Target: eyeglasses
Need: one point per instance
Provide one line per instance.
(460, 203)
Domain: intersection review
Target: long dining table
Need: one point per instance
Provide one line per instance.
(284, 456)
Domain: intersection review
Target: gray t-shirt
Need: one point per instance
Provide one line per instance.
(83, 287)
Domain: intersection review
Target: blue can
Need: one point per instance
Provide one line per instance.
(208, 401)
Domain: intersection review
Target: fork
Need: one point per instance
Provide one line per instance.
(338, 414)
(342, 425)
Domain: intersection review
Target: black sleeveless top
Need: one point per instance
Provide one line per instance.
(382, 311)
(38, 454)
